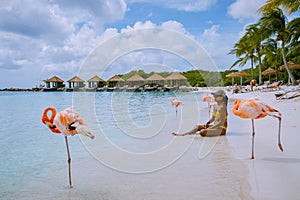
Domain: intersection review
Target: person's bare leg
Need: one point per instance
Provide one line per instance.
(212, 132)
(191, 132)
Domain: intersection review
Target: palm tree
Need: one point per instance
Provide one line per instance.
(272, 55)
(294, 29)
(256, 36)
(244, 52)
(291, 5)
(274, 23)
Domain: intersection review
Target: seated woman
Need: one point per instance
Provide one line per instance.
(217, 124)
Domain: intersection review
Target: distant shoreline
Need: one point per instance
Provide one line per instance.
(114, 89)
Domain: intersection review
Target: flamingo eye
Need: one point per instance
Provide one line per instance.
(51, 126)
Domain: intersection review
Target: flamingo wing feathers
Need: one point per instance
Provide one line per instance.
(176, 102)
(68, 122)
(249, 108)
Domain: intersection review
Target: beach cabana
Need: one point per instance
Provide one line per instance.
(115, 81)
(95, 82)
(291, 65)
(176, 79)
(156, 79)
(135, 80)
(237, 74)
(54, 82)
(76, 82)
(269, 72)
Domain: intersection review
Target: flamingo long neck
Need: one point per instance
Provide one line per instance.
(235, 108)
(49, 121)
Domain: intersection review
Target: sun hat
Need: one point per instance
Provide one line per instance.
(221, 93)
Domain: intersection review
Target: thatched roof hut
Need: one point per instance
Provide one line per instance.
(54, 82)
(135, 80)
(156, 79)
(237, 74)
(76, 82)
(291, 65)
(176, 79)
(95, 82)
(115, 81)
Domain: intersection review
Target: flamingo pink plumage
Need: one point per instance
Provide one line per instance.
(209, 99)
(176, 103)
(255, 109)
(69, 123)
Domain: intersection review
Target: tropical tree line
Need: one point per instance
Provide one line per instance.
(196, 78)
(272, 41)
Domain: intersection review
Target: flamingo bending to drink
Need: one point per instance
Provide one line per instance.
(67, 122)
(255, 109)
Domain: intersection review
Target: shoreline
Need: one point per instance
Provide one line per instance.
(225, 173)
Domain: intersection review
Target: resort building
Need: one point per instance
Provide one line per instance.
(54, 82)
(76, 82)
(96, 82)
(135, 81)
(156, 79)
(176, 80)
(115, 81)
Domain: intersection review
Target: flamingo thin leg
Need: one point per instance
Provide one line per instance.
(253, 134)
(279, 142)
(69, 161)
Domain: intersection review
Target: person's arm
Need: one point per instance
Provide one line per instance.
(209, 121)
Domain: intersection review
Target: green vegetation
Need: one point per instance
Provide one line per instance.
(271, 42)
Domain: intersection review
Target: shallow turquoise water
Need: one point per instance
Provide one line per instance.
(29, 150)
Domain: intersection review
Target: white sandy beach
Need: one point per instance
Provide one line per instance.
(225, 173)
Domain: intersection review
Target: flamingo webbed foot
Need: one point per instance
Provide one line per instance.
(280, 147)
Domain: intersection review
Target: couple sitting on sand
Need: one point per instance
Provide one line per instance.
(217, 124)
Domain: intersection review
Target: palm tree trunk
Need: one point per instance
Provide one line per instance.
(259, 67)
(252, 73)
(286, 65)
(276, 73)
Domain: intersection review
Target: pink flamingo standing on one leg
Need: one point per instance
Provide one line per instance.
(255, 109)
(67, 122)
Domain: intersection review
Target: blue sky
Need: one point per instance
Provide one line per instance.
(39, 39)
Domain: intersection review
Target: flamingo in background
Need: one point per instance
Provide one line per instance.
(176, 103)
(67, 122)
(209, 99)
(255, 109)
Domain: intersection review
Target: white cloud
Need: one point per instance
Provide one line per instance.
(185, 5)
(245, 9)
(167, 45)
(211, 34)
(218, 45)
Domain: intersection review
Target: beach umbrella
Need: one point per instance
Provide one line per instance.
(238, 74)
(232, 75)
(269, 71)
(68, 123)
(291, 65)
(255, 109)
